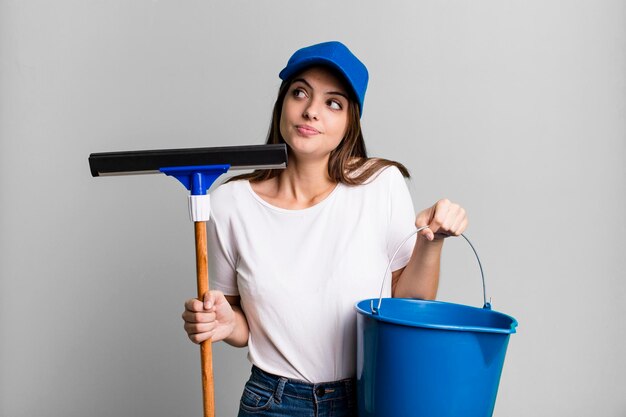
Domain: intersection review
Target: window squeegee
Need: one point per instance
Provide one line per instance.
(196, 169)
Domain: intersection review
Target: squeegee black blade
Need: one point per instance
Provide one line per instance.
(150, 161)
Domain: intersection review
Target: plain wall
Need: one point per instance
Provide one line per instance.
(515, 109)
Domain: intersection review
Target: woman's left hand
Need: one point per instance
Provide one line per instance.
(444, 219)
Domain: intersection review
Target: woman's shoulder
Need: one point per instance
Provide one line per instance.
(376, 170)
(228, 194)
(228, 188)
(362, 171)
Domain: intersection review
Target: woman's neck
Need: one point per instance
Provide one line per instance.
(301, 185)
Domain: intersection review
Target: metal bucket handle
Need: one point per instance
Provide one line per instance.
(376, 310)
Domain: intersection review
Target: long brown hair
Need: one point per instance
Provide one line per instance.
(348, 162)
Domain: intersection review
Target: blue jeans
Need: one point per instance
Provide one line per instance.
(267, 395)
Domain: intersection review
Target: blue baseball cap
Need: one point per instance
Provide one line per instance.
(335, 55)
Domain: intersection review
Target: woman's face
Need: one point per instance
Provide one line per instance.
(314, 115)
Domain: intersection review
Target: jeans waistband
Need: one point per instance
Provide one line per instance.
(319, 392)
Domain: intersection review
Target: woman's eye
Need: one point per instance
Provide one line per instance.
(299, 93)
(334, 104)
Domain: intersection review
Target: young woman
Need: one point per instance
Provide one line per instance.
(293, 250)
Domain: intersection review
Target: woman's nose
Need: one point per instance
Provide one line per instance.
(311, 111)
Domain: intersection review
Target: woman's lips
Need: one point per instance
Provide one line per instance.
(305, 130)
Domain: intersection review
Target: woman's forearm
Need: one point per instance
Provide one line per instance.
(239, 336)
(420, 278)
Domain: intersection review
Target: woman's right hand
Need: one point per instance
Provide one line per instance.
(212, 318)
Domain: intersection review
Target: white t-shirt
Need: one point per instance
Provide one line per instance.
(300, 272)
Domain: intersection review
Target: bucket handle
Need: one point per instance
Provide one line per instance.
(376, 310)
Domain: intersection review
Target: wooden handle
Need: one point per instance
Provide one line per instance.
(206, 351)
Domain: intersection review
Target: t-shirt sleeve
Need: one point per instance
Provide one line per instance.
(222, 265)
(401, 220)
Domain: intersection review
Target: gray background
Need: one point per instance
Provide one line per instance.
(516, 109)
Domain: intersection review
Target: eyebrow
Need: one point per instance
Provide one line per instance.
(338, 93)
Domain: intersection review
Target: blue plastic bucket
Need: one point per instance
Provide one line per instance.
(428, 358)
